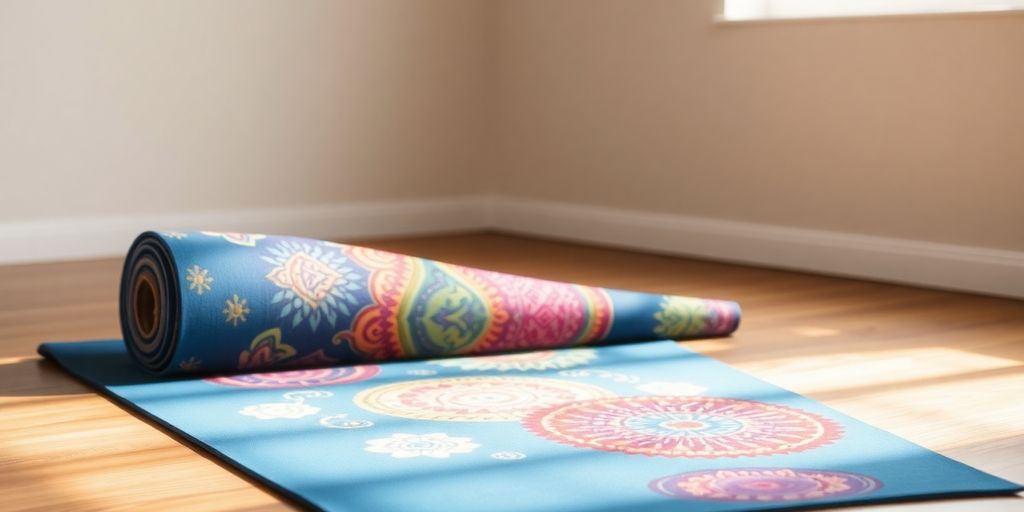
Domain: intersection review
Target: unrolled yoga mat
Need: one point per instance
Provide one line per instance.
(633, 426)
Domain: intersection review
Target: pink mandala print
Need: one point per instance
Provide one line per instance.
(764, 485)
(683, 426)
(473, 398)
(298, 378)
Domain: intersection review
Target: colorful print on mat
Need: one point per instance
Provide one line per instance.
(424, 308)
(764, 485)
(298, 378)
(652, 427)
(680, 426)
(484, 398)
(238, 301)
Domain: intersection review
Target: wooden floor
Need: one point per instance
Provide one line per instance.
(945, 370)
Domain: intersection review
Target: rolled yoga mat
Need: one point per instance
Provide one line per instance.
(229, 302)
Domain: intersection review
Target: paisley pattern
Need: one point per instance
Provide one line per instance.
(473, 398)
(681, 426)
(265, 350)
(423, 308)
(449, 314)
(765, 485)
(299, 378)
(316, 283)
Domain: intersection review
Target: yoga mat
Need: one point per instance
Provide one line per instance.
(584, 422)
(649, 427)
(221, 302)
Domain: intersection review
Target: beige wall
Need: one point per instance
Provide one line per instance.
(910, 128)
(121, 107)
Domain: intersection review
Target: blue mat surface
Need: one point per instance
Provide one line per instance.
(648, 426)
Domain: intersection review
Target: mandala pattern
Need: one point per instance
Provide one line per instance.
(299, 378)
(676, 426)
(244, 239)
(764, 485)
(317, 284)
(435, 446)
(199, 279)
(423, 308)
(473, 398)
(523, 361)
(686, 317)
(235, 310)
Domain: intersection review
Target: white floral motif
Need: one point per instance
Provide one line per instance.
(672, 388)
(279, 410)
(407, 446)
(293, 409)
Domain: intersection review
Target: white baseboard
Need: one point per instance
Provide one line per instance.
(954, 267)
(72, 239)
(972, 269)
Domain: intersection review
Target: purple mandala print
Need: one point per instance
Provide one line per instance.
(764, 485)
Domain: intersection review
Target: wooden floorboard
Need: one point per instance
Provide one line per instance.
(942, 369)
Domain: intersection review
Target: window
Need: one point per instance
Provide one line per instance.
(739, 10)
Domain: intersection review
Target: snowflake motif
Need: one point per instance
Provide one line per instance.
(190, 365)
(279, 410)
(407, 446)
(199, 279)
(177, 235)
(508, 455)
(316, 284)
(672, 388)
(235, 310)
